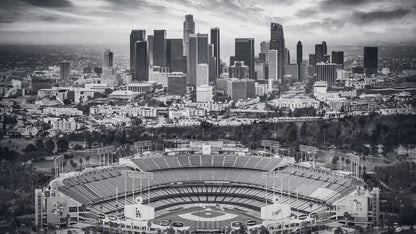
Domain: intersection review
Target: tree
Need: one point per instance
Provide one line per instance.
(80, 162)
(30, 148)
(338, 231)
(50, 145)
(334, 162)
(87, 159)
(62, 145)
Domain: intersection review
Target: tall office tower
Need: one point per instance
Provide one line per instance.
(319, 53)
(135, 35)
(273, 65)
(204, 93)
(370, 60)
(65, 70)
(239, 70)
(141, 67)
(177, 84)
(327, 58)
(264, 48)
(326, 72)
(202, 74)
(174, 55)
(312, 60)
(108, 58)
(277, 42)
(259, 70)
(286, 57)
(188, 29)
(159, 48)
(244, 51)
(202, 48)
(338, 58)
(150, 50)
(303, 71)
(324, 48)
(212, 63)
(299, 53)
(215, 41)
(192, 59)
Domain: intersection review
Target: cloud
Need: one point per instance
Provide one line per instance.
(49, 3)
(367, 17)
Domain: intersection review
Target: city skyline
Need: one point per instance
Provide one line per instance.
(78, 22)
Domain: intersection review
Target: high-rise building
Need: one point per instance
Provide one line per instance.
(324, 48)
(244, 51)
(159, 48)
(338, 58)
(150, 51)
(202, 74)
(312, 60)
(292, 72)
(319, 53)
(140, 65)
(65, 70)
(177, 85)
(264, 48)
(299, 53)
(239, 70)
(241, 89)
(370, 60)
(212, 63)
(303, 71)
(273, 65)
(192, 60)
(259, 70)
(108, 58)
(202, 48)
(135, 35)
(215, 41)
(175, 55)
(204, 93)
(188, 29)
(277, 42)
(326, 72)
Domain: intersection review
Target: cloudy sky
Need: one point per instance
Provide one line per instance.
(110, 21)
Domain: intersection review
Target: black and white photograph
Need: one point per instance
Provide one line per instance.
(208, 116)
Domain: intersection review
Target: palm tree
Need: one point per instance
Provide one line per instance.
(87, 159)
(80, 162)
(63, 166)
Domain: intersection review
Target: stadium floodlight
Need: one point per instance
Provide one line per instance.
(137, 175)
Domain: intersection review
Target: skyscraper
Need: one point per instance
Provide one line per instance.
(188, 29)
(135, 35)
(215, 41)
(202, 48)
(370, 60)
(192, 60)
(150, 50)
(324, 48)
(159, 48)
(175, 55)
(108, 58)
(65, 70)
(273, 65)
(326, 72)
(299, 53)
(202, 74)
(140, 64)
(212, 63)
(277, 42)
(244, 51)
(338, 58)
(319, 53)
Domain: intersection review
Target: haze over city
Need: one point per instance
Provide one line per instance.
(109, 22)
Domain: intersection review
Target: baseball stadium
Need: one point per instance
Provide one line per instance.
(197, 192)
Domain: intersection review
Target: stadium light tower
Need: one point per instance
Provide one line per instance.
(138, 175)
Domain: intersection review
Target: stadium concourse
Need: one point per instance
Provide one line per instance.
(194, 192)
